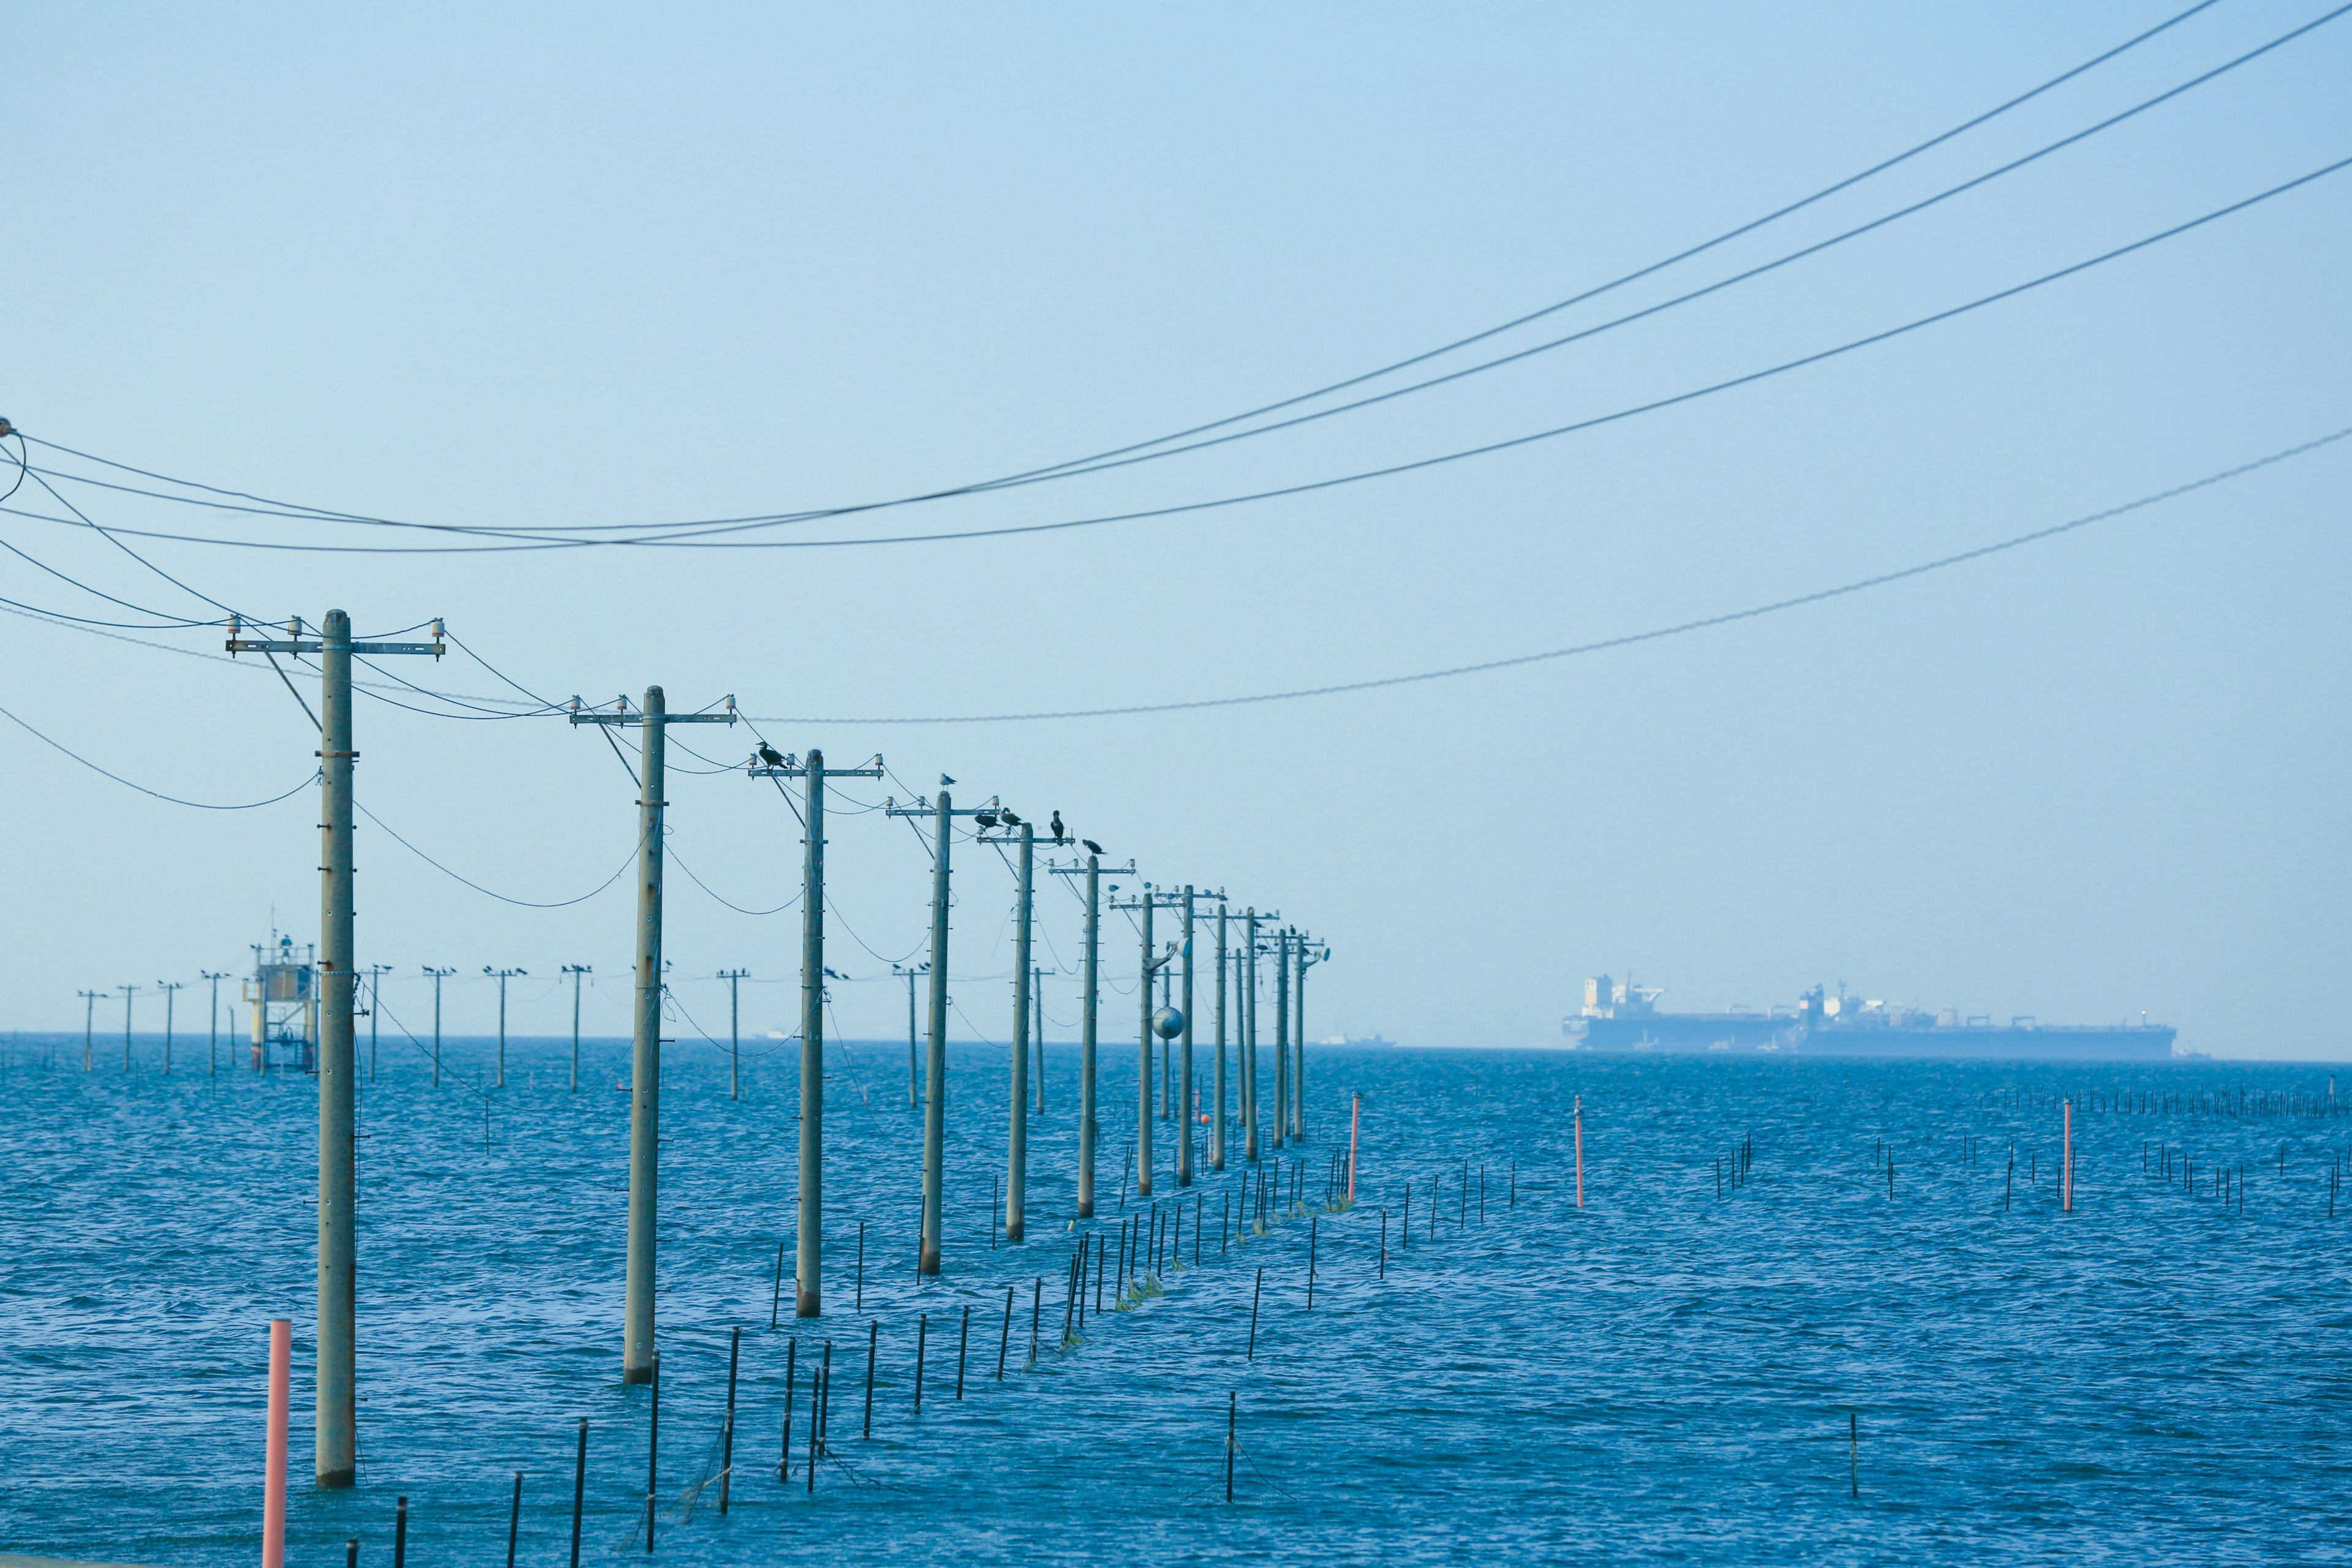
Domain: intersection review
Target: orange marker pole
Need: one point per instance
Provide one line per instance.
(1355, 1125)
(2067, 1201)
(1580, 1151)
(273, 1486)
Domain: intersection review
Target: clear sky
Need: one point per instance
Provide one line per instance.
(596, 265)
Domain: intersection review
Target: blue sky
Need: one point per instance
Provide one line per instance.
(588, 266)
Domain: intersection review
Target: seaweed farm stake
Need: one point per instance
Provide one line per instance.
(1311, 1224)
(1225, 1224)
(1255, 1291)
(1355, 1125)
(579, 1490)
(776, 1304)
(860, 1304)
(922, 1343)
(963, 1344)
(873, 1348)
(653, 1445)
(514, 1520)
(792, 1388)
(1004, 1339)
(727, 1432)
(400, 1533)
(1036, 1308)
(1514, 1201)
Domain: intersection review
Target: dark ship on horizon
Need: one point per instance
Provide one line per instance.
(1624, 1016)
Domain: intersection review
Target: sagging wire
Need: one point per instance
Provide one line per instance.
(143, 789)
(672, 852)
(521, 903)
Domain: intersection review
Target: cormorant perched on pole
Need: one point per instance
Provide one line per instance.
(1059, 835)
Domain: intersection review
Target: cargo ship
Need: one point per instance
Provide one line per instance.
(1624, 1016)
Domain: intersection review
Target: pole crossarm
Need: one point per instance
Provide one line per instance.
(295, 642)
(622, 715)
(1126, 870)
(923, 807)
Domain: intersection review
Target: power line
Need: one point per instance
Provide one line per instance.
(1065, 467)
(143, 789)
(1333, 482)
(1703, 624)
(522, 903)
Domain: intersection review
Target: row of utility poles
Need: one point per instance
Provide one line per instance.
(336, 1447)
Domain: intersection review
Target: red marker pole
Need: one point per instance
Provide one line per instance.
(1355, 1125)
(273, 1493)
(1580, 1151)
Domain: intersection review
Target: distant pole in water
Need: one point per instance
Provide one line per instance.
(1217, 1126)
(514, 1518)
(1089, 1001)
(1282, 1122)
(400, 1532)
(734, 978)
(1016, 1148)
(1246, 1053)
(935, 1053)
(873, 1348)
(573, 970)
(963, 1344)
(2067, 1203)
(1580, 1151)
(1004, 1339)
(1355, 1126)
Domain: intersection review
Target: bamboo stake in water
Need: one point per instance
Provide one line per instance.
(727, 1432)
(963, 1344)
(791, 1390)
(1005, 1339)
(514, 1520)
(1255, 1291)
(873, 1350)
(1233, 1421)
(922, 1343)
(579, 1490)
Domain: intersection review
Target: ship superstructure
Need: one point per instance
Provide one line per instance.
(1624, 1016)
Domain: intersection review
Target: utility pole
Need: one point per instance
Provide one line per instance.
(1247, 959)
(1306, 961)
(170, 989)
(502, 975)
(1217, 1128)
(211, 1041)
(808, 1295)
(376, 972)
(1184, 1091)
(943, 814)
(128, 992)
(437, 976)
(1147, 969)
(1016, 1141)
(336, 1450)
(575, 971)
(1088, 1008)
(645, 1071)
(89, 1012)
(911, 971)
(734, 978)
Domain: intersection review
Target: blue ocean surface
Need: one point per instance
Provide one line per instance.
(1774, 1257)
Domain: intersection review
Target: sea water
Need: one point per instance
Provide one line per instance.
(1666, 1374)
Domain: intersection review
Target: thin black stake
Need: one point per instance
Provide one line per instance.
(776, 1305)
(792, 1388)
(873, 1348)
(514, 1520)
(352, 1553)
(816, 1413)
(1036, 1309)
(1224, 1225)
(400, 1535)
(1006, 1338)
(1102, 1258)
(653, 1450)
(1255, 1291)
(963, 1344)
(727, 1432)
(579, 1490)
(1232, 1419)
(922, 1343)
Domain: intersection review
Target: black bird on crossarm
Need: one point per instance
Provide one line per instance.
(1092, 847)
(1059, 835)
(771, 756)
